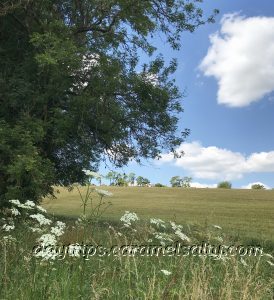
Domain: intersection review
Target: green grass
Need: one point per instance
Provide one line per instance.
(246, 217)
(245, 213)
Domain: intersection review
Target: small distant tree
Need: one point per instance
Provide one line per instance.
(186, 182)
(175, 181)
(131, 178)
(257, 186)
(224, 185)
(110, 177)
(141, 181)
(159, 185)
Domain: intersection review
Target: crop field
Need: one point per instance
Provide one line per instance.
(246, 213)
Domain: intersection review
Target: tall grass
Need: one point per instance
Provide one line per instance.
(24, 276)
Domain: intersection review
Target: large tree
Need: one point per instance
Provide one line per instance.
(73, 90)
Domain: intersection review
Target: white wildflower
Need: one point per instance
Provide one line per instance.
(58, 230)
(47, 253)
(30, 203)
(27, 205)
(15, 202)
(129, 217)
(47, 239)
(41, 219)
(175, 226)
(219, 238)
(182, 236)
(6, 227)
(162, 237)
(177, 230)
(103, 193)
(166, 272)
(41, 208)
(92, 174)
(217, 226)
(158, 222)
(15, 212)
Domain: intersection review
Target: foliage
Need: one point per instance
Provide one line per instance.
(257, 186)
(177, 181)
(73, 91)
(89, 268)
(224, 185)
(141, 181)
(159, 185)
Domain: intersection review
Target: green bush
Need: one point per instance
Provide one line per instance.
(224, 185)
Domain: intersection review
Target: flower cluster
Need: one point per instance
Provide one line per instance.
(92, 174)
(103, 193)
(158, 222)
(129, 217)
(41, 219)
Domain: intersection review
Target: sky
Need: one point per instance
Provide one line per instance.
(227, 72)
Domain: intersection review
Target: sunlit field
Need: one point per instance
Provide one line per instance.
(64, 254)
(244, 212)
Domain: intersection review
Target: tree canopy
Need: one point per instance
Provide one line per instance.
(73, 90)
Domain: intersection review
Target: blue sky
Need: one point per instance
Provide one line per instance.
(229, 103)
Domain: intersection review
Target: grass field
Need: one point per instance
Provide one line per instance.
(246, 213)
(246, 218)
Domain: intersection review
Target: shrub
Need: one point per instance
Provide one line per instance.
(159, 185)
(257, 186)
(224, 185)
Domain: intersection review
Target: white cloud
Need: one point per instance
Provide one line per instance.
(241, 58)
(250, 185)
(217, 163)
(203, 185)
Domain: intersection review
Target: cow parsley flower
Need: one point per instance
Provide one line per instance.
(15, 202)
(41, 219)
(47, 239)
(6, 227)
(15, 212)
(129, 217)
(30, 203)
(58, 230)
(41, 208)
(104, 193)
(177, 230)
(92, 174)
(182, 236)
(166, 272)
(158, 222)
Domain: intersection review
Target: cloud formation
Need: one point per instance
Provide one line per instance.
(241, 58)
(203, 185)
(217, 163)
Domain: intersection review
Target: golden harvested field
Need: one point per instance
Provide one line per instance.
(249, 213)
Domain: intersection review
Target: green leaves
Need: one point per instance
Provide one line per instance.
(73, 90)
